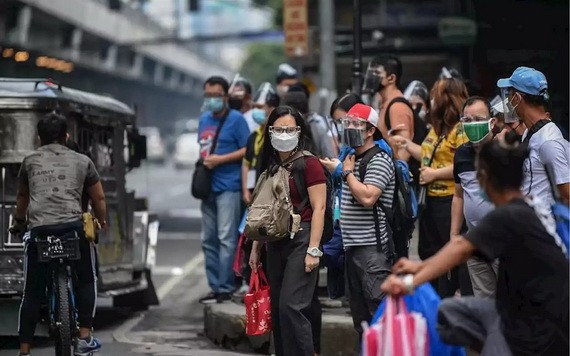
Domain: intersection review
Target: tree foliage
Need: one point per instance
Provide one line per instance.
(262, 61)
(277, 6)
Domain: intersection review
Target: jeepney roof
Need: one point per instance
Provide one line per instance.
(45, 94)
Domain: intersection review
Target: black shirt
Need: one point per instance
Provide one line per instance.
(532, 290)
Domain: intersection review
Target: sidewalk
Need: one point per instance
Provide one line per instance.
(224, 324)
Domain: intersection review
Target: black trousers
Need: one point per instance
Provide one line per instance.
(292, 292)
(36, 280)
(435, 228)
(366, 270)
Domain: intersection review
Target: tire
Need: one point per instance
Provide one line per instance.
(63, 314)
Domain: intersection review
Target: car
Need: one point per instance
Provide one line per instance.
(187, 149)
(155, 148)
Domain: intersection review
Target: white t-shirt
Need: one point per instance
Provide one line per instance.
(547, 147)
(248, 116)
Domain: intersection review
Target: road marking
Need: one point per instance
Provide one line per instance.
(174, 280)
(167, 271)
(120, 335)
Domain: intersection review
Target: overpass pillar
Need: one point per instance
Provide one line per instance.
(24, 21)
(76, 39)
(111, 60)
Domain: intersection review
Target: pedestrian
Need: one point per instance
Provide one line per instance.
(339, 108)
(530, 313)
(436, 154)
(526, 97)
(45, 214)
(240, 93)
(221, 211)
(321, 143)
(286, 77)
(264, 102)
(293, 262)
(368, 246)
(468, 204)
(418, 95)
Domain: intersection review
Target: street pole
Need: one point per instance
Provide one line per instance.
(357, 47)
(327, 54)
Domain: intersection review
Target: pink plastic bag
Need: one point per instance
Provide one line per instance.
(398, 333)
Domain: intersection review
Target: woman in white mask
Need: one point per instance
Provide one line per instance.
(293, 263)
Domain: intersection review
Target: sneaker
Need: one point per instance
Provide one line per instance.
(209, 299)
(86, 347)
(224, 297)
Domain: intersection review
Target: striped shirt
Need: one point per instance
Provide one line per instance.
(356, 221)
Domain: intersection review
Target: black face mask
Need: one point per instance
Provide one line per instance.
(235, 103)
(496, 130)
(513, 136)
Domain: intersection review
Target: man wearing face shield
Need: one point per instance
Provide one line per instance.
(369, 249)
(469, 203)
(526, 97)
(286, 78)
(240, 100)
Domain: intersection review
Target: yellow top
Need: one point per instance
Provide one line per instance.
(443, 158)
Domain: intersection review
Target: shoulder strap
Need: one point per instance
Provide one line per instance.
(363, 164)
(439, 141)
(535, 128)
(300, 185)
(399, 99)
(215, 142)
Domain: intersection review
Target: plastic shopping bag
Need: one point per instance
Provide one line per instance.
(425, 301)
(398, 333)
(257, 305)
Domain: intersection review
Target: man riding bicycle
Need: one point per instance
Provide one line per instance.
(51, 182)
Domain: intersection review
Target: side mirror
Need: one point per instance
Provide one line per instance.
(137, 149)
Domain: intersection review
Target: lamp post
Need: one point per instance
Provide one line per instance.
(357, 47)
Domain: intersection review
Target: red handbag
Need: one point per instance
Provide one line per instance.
(257, 305)
(239, 257)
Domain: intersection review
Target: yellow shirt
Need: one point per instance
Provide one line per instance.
(443, 158)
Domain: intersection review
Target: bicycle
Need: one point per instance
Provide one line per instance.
(58, 252)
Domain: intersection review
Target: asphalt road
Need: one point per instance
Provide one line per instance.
(175, 327)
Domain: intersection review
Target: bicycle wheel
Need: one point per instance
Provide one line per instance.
(63, 329)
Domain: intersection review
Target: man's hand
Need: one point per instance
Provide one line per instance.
(348, 164)
(405, 266)
(330, 164)
(394, 285)
(212, 161)
(427, 175)
(19, 227)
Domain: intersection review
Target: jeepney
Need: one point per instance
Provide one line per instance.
(105, 130)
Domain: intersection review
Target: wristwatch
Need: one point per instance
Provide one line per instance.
(314, 252)
(345, 174)
(408, 280)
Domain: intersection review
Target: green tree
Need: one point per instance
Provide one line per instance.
(262, 61)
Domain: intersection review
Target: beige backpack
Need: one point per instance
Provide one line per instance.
(270, 216)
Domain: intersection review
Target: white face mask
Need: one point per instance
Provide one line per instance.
(284, 142)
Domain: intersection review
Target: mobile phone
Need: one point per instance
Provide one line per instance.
(395, 131)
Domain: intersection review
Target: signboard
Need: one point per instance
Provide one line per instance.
(296, 27)
(458, 31)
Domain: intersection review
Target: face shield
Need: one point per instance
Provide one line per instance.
(373, 79)
(353, 131)
(418, 96)
(509, 111)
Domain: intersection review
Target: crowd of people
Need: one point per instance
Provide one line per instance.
(481, 173)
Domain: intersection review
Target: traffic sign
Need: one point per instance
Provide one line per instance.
(296, 27)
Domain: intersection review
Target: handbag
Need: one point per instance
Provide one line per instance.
(90, 226)
(257, 305)
(202, 176)
(422, 190)
(398, 333)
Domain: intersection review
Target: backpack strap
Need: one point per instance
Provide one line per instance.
(535, 128)
(299, 180)
(399, 99)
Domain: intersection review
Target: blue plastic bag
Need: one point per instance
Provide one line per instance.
(426, 302)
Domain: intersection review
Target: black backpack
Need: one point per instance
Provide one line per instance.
(299, 179)
(402, 217)
(420, 133)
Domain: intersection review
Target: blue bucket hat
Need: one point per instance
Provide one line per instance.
(526, 80)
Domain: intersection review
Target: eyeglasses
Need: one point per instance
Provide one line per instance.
(468, 119)
(282, 129)
(354, 122)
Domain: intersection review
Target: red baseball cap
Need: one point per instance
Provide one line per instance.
(368, 114)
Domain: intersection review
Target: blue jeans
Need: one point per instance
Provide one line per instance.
(221, 215)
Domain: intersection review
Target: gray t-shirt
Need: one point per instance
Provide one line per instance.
(356, 221)
(56, 177)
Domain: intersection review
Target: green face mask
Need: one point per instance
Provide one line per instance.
(477, 131)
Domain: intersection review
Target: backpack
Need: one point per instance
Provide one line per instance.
(401, 219)
(560, 212)
(270, 216)
(420, 133)
(299, 180)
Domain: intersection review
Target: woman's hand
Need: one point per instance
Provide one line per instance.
(246, 197)
(394, 285)
(311, 263)
(405, 266)
(330, 164)
(254, 259)
(427, 175)
(396, 140)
